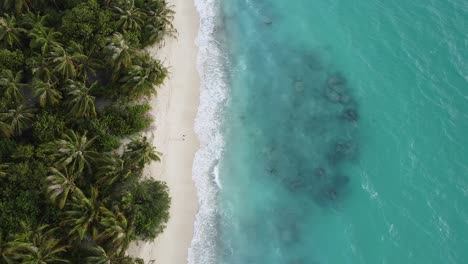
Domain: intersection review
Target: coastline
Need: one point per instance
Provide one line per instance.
(174, 110)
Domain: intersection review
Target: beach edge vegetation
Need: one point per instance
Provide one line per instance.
(75, 79)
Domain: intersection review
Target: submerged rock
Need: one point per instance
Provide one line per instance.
(296, 184)
(333, 191)
(299, 86)
(336, 80)
(345, 99)
(335, 90)
(320, 173)
(342, 150)
(332, 95)
(267, 21)
(272, 170)
(350, 115)
(340, 181)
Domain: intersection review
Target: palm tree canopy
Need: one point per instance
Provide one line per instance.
(82, 215)
(5, 129)
(66, 62)
(142, 79)
(60, 156)
(129, 16)
(45, 39)
(99, 256)
(111, 168)
(11, 85)
(33, 20)
(158, 22)
(19, 118)
(89, 64)
(42, 69)
(140, 152)
(10, 33)
(46, 92)
(60, 185)
(119, 53)
(3, 172)
(80, 102)
(73, 151)
(34, 246)
(118, 230)
(3, 249)
(17, 5)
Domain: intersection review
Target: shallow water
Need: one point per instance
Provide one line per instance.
(332, 132)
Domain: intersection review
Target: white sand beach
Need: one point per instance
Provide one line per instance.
(174, 110)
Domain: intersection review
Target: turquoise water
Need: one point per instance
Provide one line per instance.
(345, 132)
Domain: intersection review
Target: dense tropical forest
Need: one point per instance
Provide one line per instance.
(74, 81)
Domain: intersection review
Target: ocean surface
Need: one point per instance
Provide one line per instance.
(332, 132)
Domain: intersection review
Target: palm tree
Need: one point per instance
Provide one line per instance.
(88, 67)
(33, 20)
(3, 172)
(88, 62)
(120, 54)
(140, 152)
(19, 118)
(99, 256)
(46, 92)
(111, 168)
(44, 38)
(18, 5)
(73, 151)
(5, 129)
(118, 230)
(36, 247)
(3, 249)
(129, 16)
(11, 85)
(66, 63)
(60, 185)
(10, 34)
(82, 215)
(41, 69)
(142, 80)
(6, 250)
(158, 22)
(81, 103)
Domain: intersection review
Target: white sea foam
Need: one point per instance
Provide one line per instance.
(213, 92)
(216, 177)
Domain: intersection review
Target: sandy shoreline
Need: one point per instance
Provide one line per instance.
(174, 110)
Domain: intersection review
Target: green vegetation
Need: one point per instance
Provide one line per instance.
(74, 80)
